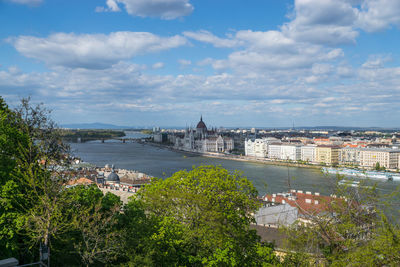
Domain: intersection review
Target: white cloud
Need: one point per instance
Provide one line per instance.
(158, 65)
(112, 6)
(345, 71)
(322, 22)
(208, 37)
(264, 51)
(294, 71)
(333, 22)
(377, 15)
(312, 79)
(271, 40)
(319, 68)
(92, 50)
(123, 89)
(165, 9)
(376, 61)
(298, 55)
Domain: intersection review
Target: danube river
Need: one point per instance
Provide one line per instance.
(162, 163)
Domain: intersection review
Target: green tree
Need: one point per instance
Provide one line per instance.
(30, 192)
(36, 122)
(353, 230)
(99, 240)
(13, 149)
(377, 166)
(92, 236)
(202, 217)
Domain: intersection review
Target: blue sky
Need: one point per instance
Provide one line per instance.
(263, 63)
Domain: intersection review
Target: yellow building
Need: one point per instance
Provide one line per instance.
(327, 154)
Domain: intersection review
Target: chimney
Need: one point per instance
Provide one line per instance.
(316, 193)
(308, 193)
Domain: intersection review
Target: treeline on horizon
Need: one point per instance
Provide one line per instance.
(82, 135)
(200, 217)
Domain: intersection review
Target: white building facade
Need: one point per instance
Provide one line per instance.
(256, 148)
(274, 151)
(388, 158)
(290, 152)
(308, 153)
(215, 144)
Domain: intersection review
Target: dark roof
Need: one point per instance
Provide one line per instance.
(113, 177)
(201, 124)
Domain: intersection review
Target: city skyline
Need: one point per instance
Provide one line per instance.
(165, 62)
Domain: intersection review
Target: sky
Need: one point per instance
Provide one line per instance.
(253, 63)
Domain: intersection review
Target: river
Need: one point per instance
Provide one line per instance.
(162, 163)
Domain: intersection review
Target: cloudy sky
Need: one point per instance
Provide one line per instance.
(239, 63)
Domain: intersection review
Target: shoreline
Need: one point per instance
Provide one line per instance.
(265, 161)
(236, 158)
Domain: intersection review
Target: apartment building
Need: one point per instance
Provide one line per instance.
(274, 151)
(256, 148)
(327, 154)
(350, 156)
(259, 147)
(290, 152)
(388, 158)
(308, 153)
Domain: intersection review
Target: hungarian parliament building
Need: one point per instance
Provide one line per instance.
(201, 139)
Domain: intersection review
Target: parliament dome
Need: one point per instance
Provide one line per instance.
(201, 124)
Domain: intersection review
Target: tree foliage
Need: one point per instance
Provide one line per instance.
(31, 192)
(194, 218)
(199, 217)
(354, 230)
(202, 217)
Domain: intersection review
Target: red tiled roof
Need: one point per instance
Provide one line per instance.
(81, 180)
(306, 203)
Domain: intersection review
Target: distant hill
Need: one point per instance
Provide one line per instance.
(95, 125)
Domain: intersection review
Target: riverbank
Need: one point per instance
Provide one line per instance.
(163, 163)
(236, 157)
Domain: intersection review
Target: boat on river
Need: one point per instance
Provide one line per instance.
(364, 174)
(349, 183)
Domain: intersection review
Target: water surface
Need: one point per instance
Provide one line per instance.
(162, 163)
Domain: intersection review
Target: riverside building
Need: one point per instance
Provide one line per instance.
(350, 156)
(259, 147)
(290, 152)
(201, 139)
(308, 153)
(328, 155)
(274, 151)
(388, 158)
